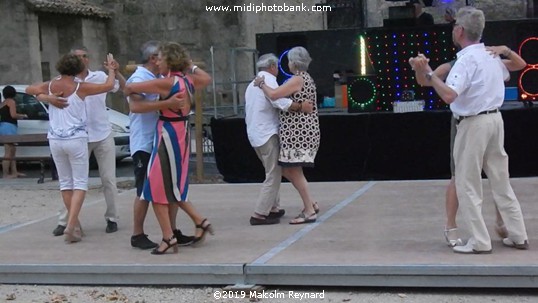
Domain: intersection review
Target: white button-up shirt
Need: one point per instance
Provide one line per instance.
(98, 124)
(478, 79)
(262, 114)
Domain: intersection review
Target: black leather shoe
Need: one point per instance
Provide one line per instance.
(142, 241)
(183, 240)
(111, 227)
(58, 231)
(277, 214)
(266, 221)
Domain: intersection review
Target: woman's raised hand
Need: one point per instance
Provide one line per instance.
(110, 63)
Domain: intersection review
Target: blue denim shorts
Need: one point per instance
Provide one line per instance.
(7, 128)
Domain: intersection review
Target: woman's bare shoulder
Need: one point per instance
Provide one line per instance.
(64, 87)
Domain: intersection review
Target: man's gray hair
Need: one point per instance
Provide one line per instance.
(266, 61)
(472, 20)
(78, 47)
(300, 58)
(148, 49)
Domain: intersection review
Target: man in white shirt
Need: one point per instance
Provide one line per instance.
(475, 91)
(100, 139)
(262, 129)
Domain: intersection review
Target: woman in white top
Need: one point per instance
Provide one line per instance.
(68, 137)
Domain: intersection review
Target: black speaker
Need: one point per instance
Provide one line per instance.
(344, 14)
(395, 23)
(362, 92)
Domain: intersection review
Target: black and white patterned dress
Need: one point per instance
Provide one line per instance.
(299, 132)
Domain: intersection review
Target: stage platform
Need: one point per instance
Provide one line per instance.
(373, 233)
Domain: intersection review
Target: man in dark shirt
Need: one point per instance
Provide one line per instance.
(422, 18)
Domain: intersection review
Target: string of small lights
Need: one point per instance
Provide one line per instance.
(389, 52)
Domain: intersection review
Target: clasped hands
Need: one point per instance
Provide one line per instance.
(420, 63)
(111, 63)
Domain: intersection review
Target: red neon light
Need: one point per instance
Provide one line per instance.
(525, 94)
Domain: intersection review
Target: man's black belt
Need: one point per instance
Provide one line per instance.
(486, 112)
(173, 119)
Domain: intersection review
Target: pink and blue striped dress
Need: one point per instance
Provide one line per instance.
(168, 169)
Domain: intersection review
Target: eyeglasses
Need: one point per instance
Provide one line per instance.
(457, 24)
(83, 56)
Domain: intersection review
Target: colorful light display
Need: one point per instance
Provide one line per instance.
(389, 52)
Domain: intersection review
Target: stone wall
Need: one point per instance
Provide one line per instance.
(19, 63)
(191, 23)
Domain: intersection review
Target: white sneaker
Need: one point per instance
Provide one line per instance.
(510, 243)
(468, 249)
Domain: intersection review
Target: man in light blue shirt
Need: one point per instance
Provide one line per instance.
(143, 117)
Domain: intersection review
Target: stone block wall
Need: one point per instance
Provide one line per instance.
(195, 24)
(19, 63)
(191, 23)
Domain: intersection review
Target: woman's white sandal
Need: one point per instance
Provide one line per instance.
(452, 238)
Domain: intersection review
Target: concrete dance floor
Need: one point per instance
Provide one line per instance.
(378, 233)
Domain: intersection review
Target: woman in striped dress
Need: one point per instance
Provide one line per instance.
(167, 183)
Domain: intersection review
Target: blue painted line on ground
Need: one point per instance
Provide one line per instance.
(10, 227)
(302, 232)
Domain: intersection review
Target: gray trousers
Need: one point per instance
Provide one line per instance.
(105, 154)
(269, 194)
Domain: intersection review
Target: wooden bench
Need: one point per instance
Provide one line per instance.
(31, 140)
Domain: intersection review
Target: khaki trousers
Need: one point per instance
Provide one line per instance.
(479, 145)
(269, 194)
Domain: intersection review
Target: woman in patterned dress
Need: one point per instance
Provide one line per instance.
(299, 131)
(167, 181)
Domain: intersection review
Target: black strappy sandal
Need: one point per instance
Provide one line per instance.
(169, 244)
(315, 206)
(302, 218)
(205, 229)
